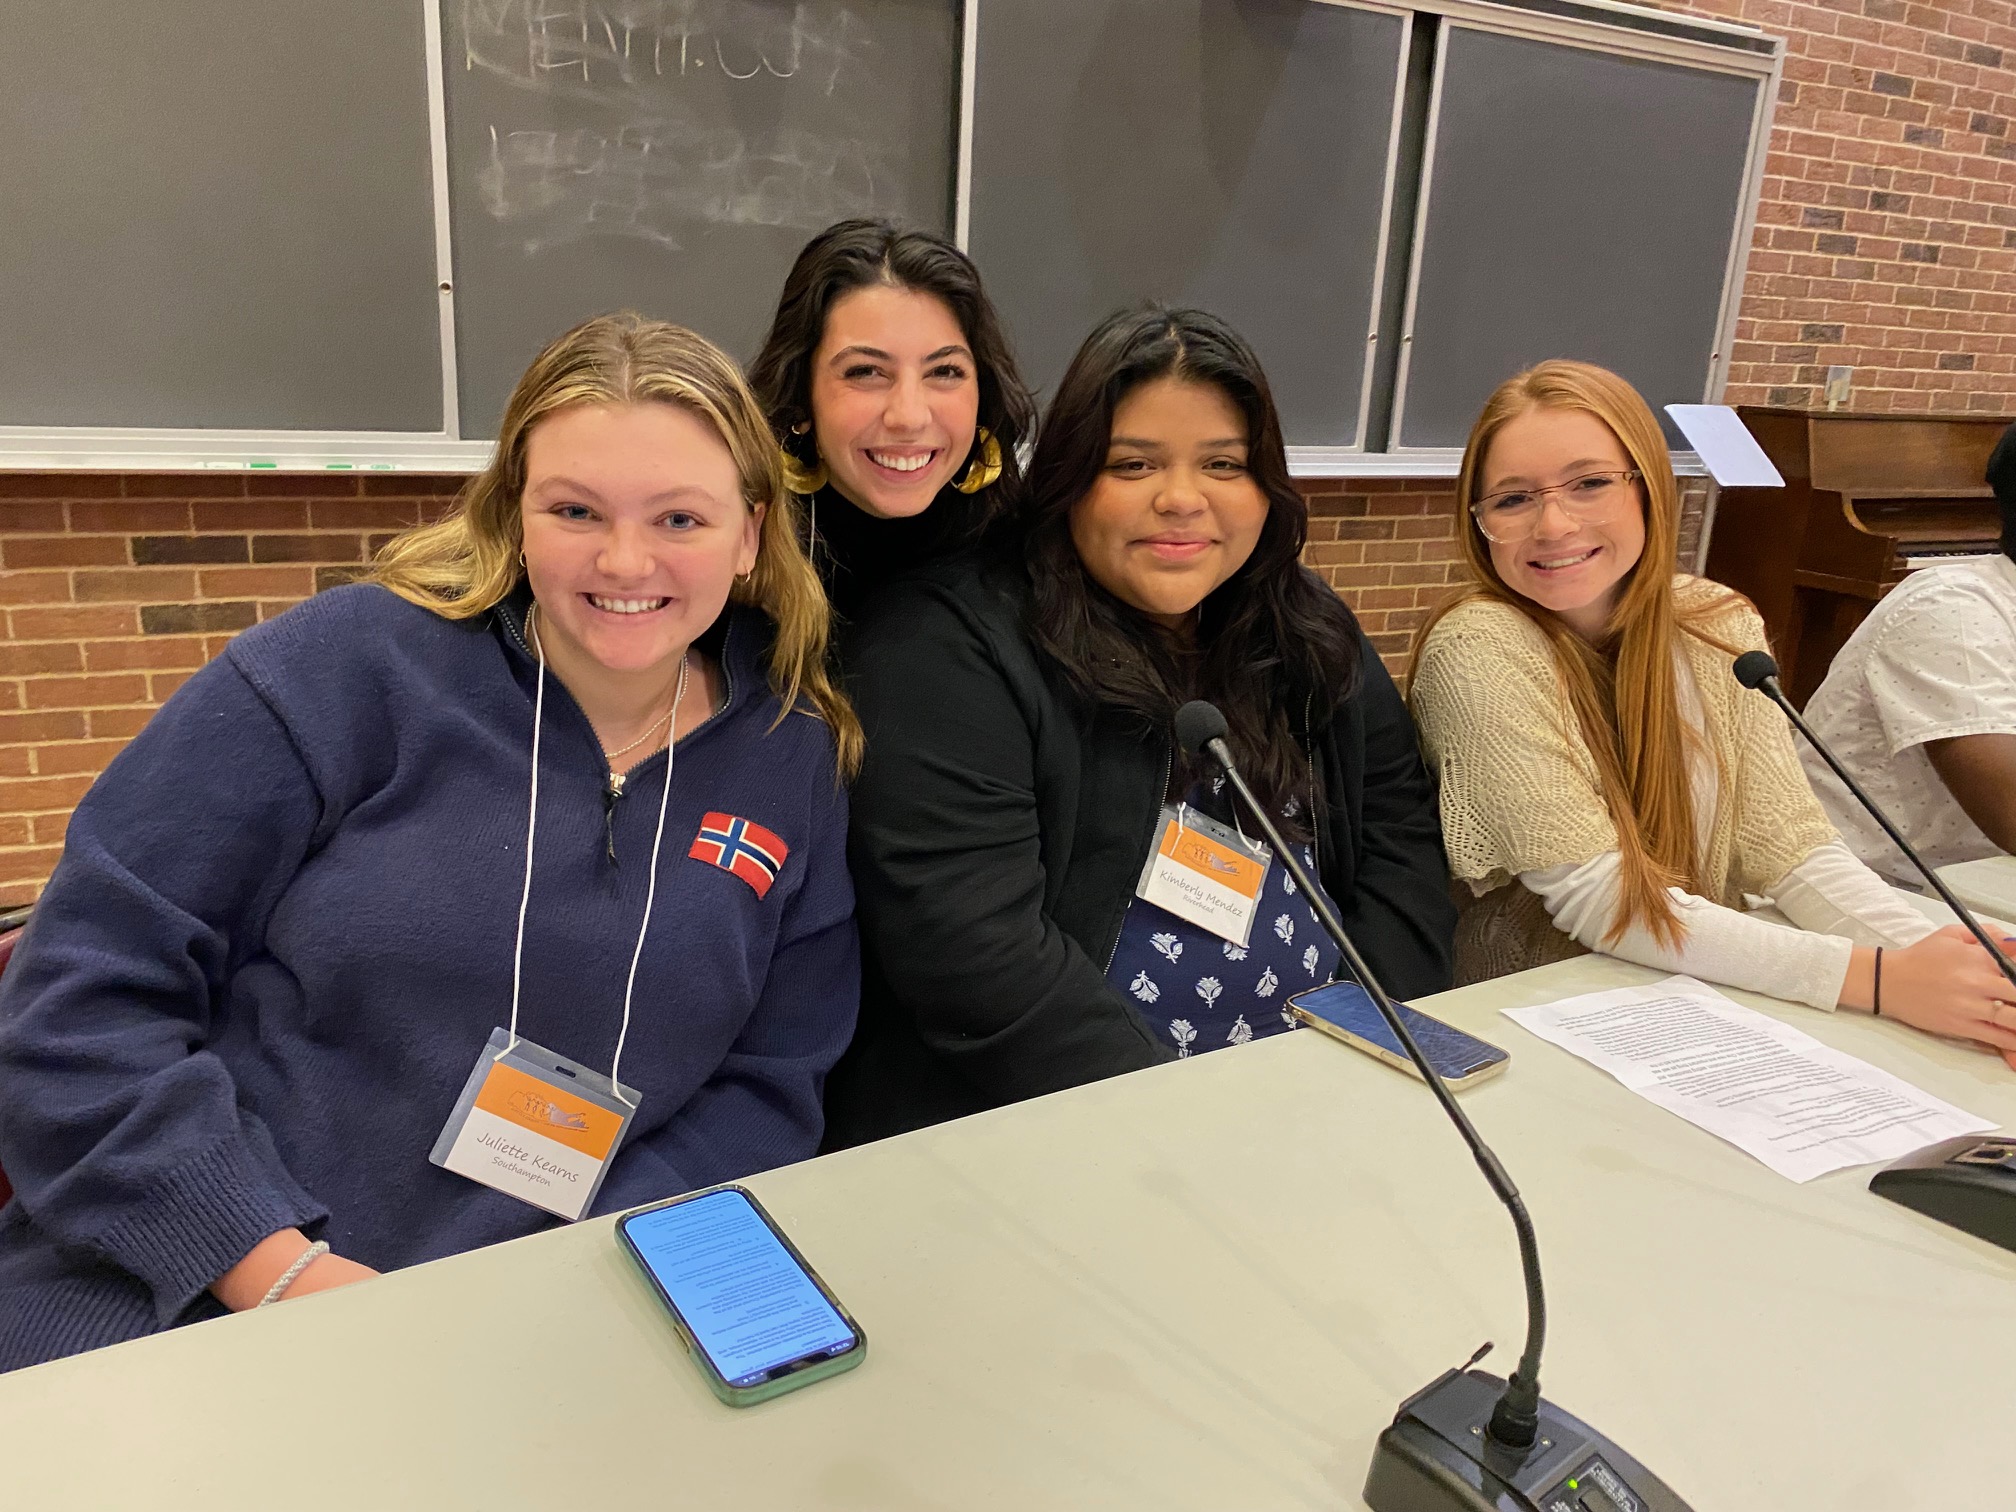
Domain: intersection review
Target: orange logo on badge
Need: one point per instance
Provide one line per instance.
(542, 1110)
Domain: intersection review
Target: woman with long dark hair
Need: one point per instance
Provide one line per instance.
(1021, 771)
(888, 379)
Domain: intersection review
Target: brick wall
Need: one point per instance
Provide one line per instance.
(113, 589)
(1886, 234)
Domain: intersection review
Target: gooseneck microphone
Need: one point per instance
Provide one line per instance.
(1756, 669)
(1466, 1442)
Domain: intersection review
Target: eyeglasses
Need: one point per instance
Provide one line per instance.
(1512, 515)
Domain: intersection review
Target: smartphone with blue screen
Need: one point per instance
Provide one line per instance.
(1345, 1011)
(756, 1318)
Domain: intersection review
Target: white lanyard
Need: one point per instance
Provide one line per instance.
(531, 828)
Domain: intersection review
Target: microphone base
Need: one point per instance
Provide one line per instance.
(1437, 1457)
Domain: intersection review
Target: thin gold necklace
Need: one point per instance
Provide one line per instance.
(678, 692)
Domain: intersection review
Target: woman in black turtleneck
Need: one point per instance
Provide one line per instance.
(890, 385)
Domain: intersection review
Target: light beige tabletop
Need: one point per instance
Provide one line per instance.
(1204, 1286)
(1986, 886)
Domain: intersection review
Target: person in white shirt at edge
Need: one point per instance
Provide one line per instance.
(1920, 705)
(1577, 703)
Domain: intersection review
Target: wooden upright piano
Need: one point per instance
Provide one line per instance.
(1867, 498)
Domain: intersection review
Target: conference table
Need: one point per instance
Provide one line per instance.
(1987, 886)
(1203, 1286)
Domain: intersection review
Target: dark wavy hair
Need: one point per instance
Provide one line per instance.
(1275, 648)
(855, 254)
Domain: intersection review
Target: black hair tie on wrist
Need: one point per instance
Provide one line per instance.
(1877, 1008)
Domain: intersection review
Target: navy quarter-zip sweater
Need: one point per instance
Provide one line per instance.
(281, 933)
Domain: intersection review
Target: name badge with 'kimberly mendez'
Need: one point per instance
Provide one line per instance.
(535, 1126)
(1205, 873)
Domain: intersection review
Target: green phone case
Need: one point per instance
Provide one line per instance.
(744, 1396)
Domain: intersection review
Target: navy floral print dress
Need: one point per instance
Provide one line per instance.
(1206, 993)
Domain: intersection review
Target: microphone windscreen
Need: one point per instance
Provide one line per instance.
(1198, 724)
(1752, 667)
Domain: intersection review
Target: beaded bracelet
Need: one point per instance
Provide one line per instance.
(309, 1256)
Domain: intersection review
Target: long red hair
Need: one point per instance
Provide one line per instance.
(1623, 689)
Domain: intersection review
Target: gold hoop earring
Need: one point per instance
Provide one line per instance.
(986, 466)
(799, 478)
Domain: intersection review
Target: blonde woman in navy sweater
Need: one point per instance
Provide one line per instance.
(302, 912)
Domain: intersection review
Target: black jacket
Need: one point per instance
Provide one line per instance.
(999, 827)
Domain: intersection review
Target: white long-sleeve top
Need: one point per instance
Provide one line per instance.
(1520, 799)
(1834, 900)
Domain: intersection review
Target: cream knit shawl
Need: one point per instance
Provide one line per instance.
(1518, 783)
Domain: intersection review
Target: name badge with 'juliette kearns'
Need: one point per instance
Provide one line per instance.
(535, 1126)
(1205, 873)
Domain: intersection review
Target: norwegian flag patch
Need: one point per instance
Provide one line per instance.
(735, 845)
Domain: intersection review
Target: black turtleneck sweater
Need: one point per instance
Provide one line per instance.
(856, 553)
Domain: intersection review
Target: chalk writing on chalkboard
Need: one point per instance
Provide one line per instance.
(640, 43)
(656, 78)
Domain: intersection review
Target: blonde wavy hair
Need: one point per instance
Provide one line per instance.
(1623, 691)
(466, 563)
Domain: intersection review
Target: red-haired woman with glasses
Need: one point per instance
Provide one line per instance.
(1606, 784)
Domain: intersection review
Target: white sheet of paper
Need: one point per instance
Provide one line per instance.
(1726, 447)
(1801, 1107)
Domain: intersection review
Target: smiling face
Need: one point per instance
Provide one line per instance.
(1574, 567)
(895, 399)
(635, 529)
(1174, 512)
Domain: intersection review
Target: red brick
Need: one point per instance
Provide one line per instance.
(406, 485)
(71, 757)
(66, 622)
(14, 831)
(59, 485)
(31, 729)
(136, 585)
(162, 685)
(62, 551)
(203, 485)
(254, 582)
(35, 795)
(33, 658)
(252, 514)
(319, 485)
(130, 518)
(308, 548)
(179, 653)
(15, 516)
(48, 829)
(116, 724)
(34, 587)
(84, 692)
(23, 871)
(363, 514)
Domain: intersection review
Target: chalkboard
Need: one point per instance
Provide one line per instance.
(1230, 154)
(1575, 204)
(215, 213)
(673, 156)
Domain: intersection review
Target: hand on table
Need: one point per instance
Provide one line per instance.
(1947, 984)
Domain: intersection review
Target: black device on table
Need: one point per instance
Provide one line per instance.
(1467, 1441)
(1963, 1181)
(756, 1318)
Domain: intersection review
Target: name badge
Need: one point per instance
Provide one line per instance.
(535, 1126)
(1205, 873)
